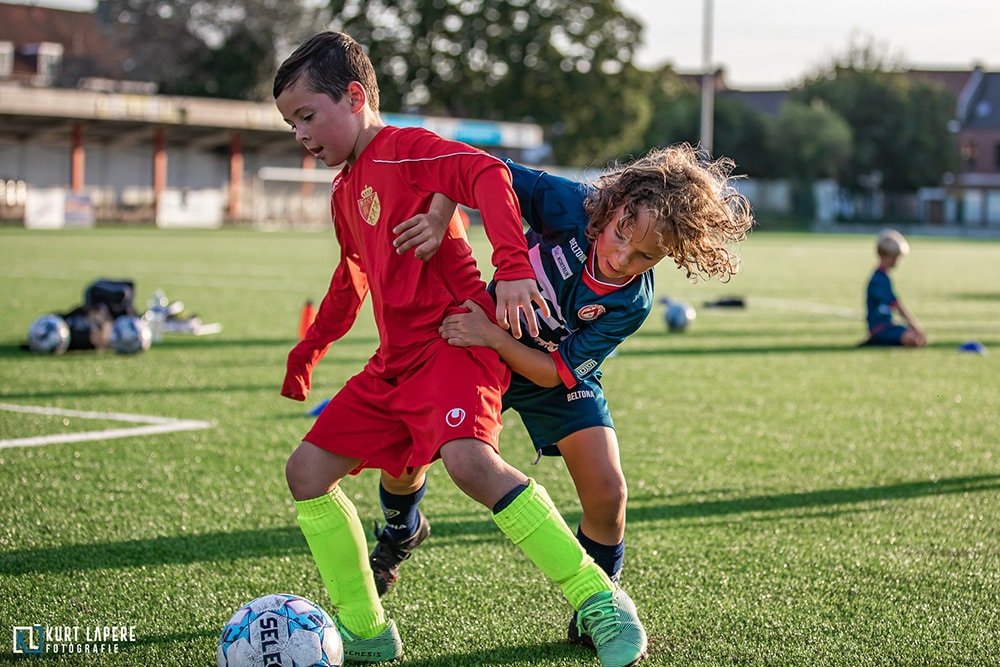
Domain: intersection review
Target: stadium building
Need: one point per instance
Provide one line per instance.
(80, 141)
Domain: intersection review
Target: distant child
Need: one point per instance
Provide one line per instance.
(891, 248)
(593, 249)
(417, 399)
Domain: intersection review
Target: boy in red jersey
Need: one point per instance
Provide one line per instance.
(417, 399)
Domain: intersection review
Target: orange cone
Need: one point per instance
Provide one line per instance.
(306, 319)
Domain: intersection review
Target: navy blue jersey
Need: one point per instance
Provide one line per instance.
(589, 318)
(881, 300)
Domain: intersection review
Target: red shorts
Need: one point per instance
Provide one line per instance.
(402, 423)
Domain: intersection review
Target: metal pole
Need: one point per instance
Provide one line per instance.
(707, 80)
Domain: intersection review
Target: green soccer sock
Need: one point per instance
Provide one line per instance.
(336, 539)
(534, 524)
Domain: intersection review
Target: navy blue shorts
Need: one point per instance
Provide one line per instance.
(552, 413)
(891, 335)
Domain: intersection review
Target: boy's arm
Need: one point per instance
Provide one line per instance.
(423, 233)
(474, 328)
(516, 286)
(908, 317)
(335, 316)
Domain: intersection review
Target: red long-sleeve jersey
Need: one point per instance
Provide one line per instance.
(393, 180)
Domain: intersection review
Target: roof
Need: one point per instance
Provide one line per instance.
(979, 108)
(953, 80)
(89, 49)
(767, 102)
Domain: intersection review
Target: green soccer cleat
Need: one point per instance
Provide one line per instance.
(611, 622)
(384, 647)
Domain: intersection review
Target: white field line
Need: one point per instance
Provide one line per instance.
(807, 307)
(152, 426)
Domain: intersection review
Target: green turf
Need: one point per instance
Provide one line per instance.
(793, 500)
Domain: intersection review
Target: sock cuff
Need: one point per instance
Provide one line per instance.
(529, 510)
(325, 513)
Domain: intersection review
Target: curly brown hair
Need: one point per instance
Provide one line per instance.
(698, 212)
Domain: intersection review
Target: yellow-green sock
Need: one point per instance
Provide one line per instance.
(336, 539)
(534, 524)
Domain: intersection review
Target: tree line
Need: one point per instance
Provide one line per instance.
(566, 65)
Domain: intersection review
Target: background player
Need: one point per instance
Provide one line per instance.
(882, 300)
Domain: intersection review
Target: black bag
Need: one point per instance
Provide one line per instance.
(115, 294)
(103, 301)
(89, 327)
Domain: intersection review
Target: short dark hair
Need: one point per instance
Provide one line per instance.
(329, 61)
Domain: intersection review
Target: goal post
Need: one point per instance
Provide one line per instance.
(291, 198)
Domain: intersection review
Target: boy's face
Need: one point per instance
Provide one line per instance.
(327, 129)
(622, 254)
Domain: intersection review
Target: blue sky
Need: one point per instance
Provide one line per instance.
(775, 43)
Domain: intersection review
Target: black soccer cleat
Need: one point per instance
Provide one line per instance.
(388, 553)
(575, 636)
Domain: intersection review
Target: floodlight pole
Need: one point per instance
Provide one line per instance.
(707, 80)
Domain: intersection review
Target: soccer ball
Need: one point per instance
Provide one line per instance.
(679, 315)
(283, 630)
(130, 334)
(48, 334)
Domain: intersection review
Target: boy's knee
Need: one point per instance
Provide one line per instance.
(302, 478)
(606, 503)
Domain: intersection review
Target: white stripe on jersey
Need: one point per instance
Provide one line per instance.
(438, 157)
(549, 292)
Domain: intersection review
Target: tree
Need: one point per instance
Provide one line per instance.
(809, 142)
(899, 123)
(740, 132)
(676, 109)
(564, 64)
(224, 48)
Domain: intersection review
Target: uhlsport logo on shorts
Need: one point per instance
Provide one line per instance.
(455, 417)
(41, 639)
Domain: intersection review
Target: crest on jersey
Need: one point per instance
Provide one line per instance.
(369, 205)
(591, 312)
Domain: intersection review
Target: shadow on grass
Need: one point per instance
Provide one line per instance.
(173, 550)
(273, 542)
(641, 509)
(977, 296)
(694, 345)
(721, 350)
(505, 655)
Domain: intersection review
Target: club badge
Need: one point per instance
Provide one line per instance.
(369, 205)
(590, 312)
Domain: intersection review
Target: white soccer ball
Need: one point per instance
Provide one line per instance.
(679, 315)
(48, 334)
(130, 334)
(280, 629)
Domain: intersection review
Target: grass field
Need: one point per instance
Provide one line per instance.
(794, 500)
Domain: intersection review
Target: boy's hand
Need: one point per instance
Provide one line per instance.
(302, 359)
(514, 295)
(471, 328)
(425, 231)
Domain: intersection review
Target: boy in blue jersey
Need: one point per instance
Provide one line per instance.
(882, 300)
(592, 249)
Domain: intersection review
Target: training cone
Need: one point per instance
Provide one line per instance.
(318, 409)
(306, 318)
